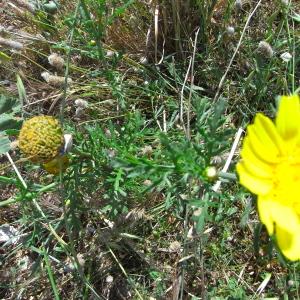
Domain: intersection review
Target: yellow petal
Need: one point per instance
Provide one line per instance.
(253, 163)
(253, 183)
(289, 242)
(266, 132)
(285, 221)
(265, 215)
(280, 213)
(264, 150)
(288, 117)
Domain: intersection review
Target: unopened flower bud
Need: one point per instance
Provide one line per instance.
(211, 173)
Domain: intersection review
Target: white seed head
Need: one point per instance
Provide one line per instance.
(286, 57)
(56, 81)
(81, 103)
(265, 49)
(230, 30)
(56, 61)
(45, 76)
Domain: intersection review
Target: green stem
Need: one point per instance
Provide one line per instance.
(7, 179)
(50, 275)
(229, 176)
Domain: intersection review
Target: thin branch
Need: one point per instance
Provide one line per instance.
(235, 52)
(188, 131)
(230, 156)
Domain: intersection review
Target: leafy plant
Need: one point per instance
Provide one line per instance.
(10, 121)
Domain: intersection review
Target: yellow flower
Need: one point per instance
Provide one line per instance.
(270, 168)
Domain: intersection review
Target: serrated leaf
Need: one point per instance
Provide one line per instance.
(9, 110)
(8, 105)
(4, 144)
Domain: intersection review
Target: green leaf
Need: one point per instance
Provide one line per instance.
(4, 57)
(9, 110)
(21, 89)
(4, 144)
(296, 17)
